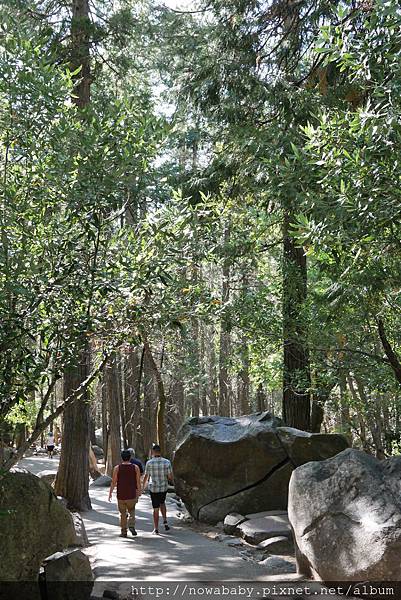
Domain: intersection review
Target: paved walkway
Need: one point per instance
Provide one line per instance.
(179, 555)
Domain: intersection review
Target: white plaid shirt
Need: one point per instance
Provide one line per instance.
(158, 469)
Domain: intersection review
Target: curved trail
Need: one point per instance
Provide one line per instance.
(179, 555)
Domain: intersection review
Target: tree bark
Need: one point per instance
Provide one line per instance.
(296, 371)
(224, 342)
(393, 359)
(73, 476)
(244, 380)
(113, 410)
(80, 51)
(72, 482)
(260, 399)
(162, 402)
(133, 378)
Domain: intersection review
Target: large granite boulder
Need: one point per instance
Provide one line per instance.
(33, 525)
(243, 464)
(346, 516)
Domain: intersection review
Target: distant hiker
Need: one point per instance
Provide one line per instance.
(136, 461)
(158, 470)
(50, 444)
(127, 478)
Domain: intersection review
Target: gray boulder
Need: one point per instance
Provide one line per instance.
(346, 516)
(48, 475)
(33, 524)
(68, 576)
(244, 464)
(102, 481)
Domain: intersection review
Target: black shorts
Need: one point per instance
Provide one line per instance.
(50, 448)
(158, 498)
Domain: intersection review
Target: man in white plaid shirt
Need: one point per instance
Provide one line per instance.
(158, 472)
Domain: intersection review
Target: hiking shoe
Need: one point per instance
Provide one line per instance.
(166, 526)
(155, 532)
(123, 534)
(133, 531)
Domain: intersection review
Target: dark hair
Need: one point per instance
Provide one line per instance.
(156, 448)
(125, 455)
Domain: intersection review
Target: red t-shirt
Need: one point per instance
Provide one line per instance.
(126, 482)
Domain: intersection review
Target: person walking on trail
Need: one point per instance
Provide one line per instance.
(136, 461)
(50, 444)
(158, 473)
(127, 478)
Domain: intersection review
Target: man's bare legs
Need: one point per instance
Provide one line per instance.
(156, 519)
(164, 515)
(156, 514)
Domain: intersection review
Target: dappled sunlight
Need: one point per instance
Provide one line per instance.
(180, 554)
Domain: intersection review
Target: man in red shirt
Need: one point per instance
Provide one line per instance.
(127, 478)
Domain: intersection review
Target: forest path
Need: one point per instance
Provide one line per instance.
(180, 555)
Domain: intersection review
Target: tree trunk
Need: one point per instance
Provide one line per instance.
(73, 476)
(317, 416)
(80, 51)
(148, 422)
(393, 359)
(105, 418)
(133, 378)
(161, 404)
(72, 482)
(114, 422)
(373, 421)
(224, 343)
(243, 380)
(212, 375)
(260, 399)
(121, 396)
(296, 371)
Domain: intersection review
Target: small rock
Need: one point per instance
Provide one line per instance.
(234, 543)
(231, 523)
(278, 545)
(257, 530)
(222, 538)
(278, 565)
(103, 481)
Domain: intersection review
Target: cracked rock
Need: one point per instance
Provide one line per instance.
(224, 465)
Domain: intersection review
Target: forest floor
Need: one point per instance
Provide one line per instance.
(181, 555)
